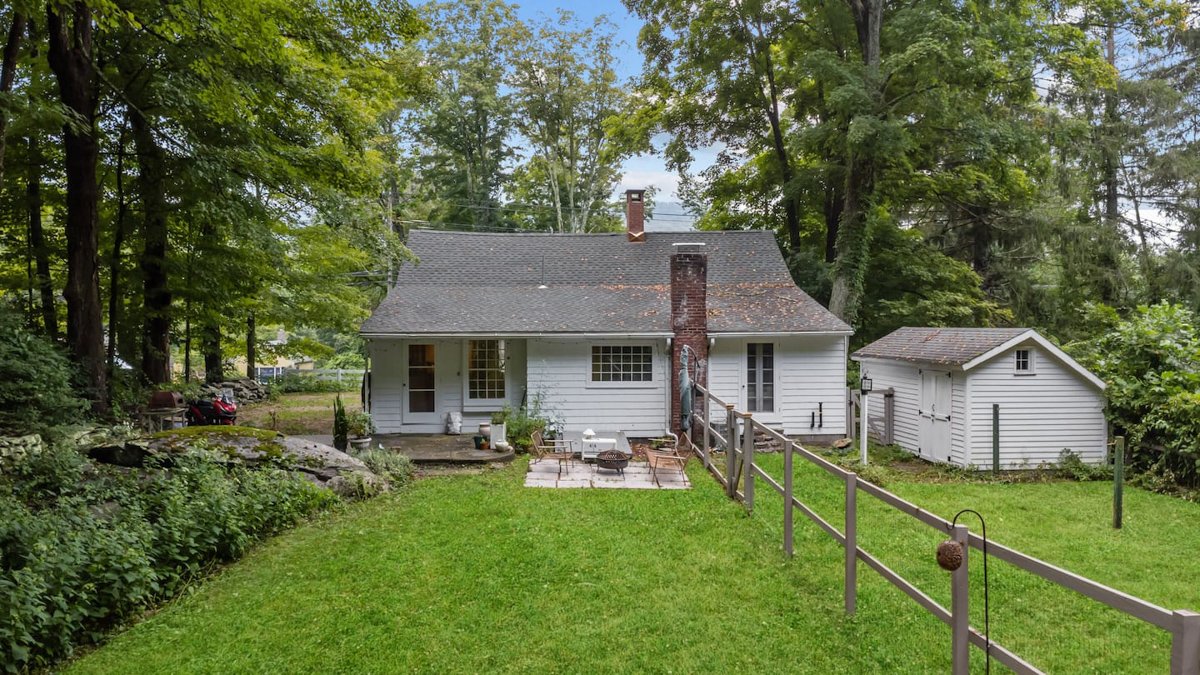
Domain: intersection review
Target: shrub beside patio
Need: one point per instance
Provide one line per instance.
(471, 573)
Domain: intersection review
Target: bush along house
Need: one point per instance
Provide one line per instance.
(592, 326)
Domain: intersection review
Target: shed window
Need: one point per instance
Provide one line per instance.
(622, 363)
(1023, 361)
(485, 369)
(760, 376)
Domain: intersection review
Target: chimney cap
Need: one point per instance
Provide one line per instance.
(634, 195)
(688, 247)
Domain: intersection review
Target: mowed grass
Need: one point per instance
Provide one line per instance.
(1066, 523)
(478, 573)
(297, 414)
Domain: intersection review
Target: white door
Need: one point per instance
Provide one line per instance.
(420, 385)
(935, 415)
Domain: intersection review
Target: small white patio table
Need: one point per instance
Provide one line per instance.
(591, 447)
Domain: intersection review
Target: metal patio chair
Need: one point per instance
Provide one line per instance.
(558, 450)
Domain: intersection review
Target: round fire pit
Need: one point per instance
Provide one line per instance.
(614, 460)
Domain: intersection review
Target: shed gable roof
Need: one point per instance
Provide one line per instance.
(593, 283)
(964, 348)
(943, 346)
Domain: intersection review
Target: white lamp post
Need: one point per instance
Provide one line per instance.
(864, 388)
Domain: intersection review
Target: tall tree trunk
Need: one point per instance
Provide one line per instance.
(210, 344)
(114, 260)
(1112, 197)
(251, 347)
(37, 238)
(156, 295)
(835, 203)
(70, 57)
(853, 245)
(8, 73)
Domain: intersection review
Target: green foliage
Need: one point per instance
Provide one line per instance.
(1151, 363)
(36, 381)
(359, 424)
(520, 423)
(341, 425)
(301, 383)
(1072, 465)
(394, 467)
(84, 548)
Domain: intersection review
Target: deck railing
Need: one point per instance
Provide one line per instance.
(740, 471)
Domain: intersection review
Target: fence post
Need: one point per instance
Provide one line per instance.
(850, 424)
(889, 416)
(705, 432)
(851, 553)
(788, 548)
(748, 462)
(960, 619)
(995, 438)
(1185, 644)
(731, 439)
(1118, 481)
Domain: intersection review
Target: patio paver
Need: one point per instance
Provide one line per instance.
(545, 474)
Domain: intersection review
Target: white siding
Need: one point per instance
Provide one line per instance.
(810, 378)
(389, 376)
(387, 379)
(560, 371)
(904, 379)
(1040, 414)
(959, 427)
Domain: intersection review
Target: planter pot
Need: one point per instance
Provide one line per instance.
(485, 429)
(478, 441)
(360, 443)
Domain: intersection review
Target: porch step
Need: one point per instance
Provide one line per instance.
(766, 443)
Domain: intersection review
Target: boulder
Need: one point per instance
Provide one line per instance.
(131, 454)
(323, 464)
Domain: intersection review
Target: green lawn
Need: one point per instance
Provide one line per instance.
(297, 414)
(477, 573)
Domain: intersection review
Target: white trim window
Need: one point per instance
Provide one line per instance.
(760, 376)
(622, 363)
(1023, 362)
(485, 370)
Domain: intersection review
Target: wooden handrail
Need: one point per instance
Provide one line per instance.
(1183, 625)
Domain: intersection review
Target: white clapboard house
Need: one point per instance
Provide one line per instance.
(959, 390)
(593, 325)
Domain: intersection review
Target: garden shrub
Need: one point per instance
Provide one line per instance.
(520, 423)
(392, 466)
(300, 383)
(85, 547)
(1151, 363)
(36, 382)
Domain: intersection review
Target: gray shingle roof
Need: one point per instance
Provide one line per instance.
(596, 283)
(942, 346)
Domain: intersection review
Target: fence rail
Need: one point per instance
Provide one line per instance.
(740, 469)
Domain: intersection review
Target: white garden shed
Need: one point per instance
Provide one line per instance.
(959, 390)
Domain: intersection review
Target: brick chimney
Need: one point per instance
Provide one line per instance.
(635, 215)
(689, 320)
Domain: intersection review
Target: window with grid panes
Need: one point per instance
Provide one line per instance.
(622, 363)
(485, 369)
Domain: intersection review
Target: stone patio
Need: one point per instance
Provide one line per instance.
(544, 474)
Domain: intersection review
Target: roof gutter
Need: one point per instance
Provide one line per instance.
(781, 333)
(476, 334)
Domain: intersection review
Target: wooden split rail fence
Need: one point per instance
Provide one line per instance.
(739, 476)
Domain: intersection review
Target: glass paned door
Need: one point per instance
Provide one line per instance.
(421, 377)
(760, 377)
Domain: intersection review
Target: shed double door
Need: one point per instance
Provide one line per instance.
(934, 414)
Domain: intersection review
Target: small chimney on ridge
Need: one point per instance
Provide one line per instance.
(635, 215)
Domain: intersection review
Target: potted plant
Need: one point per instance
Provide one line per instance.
(360, 428)
(496, 439)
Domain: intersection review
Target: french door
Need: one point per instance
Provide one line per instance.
(760, 377)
